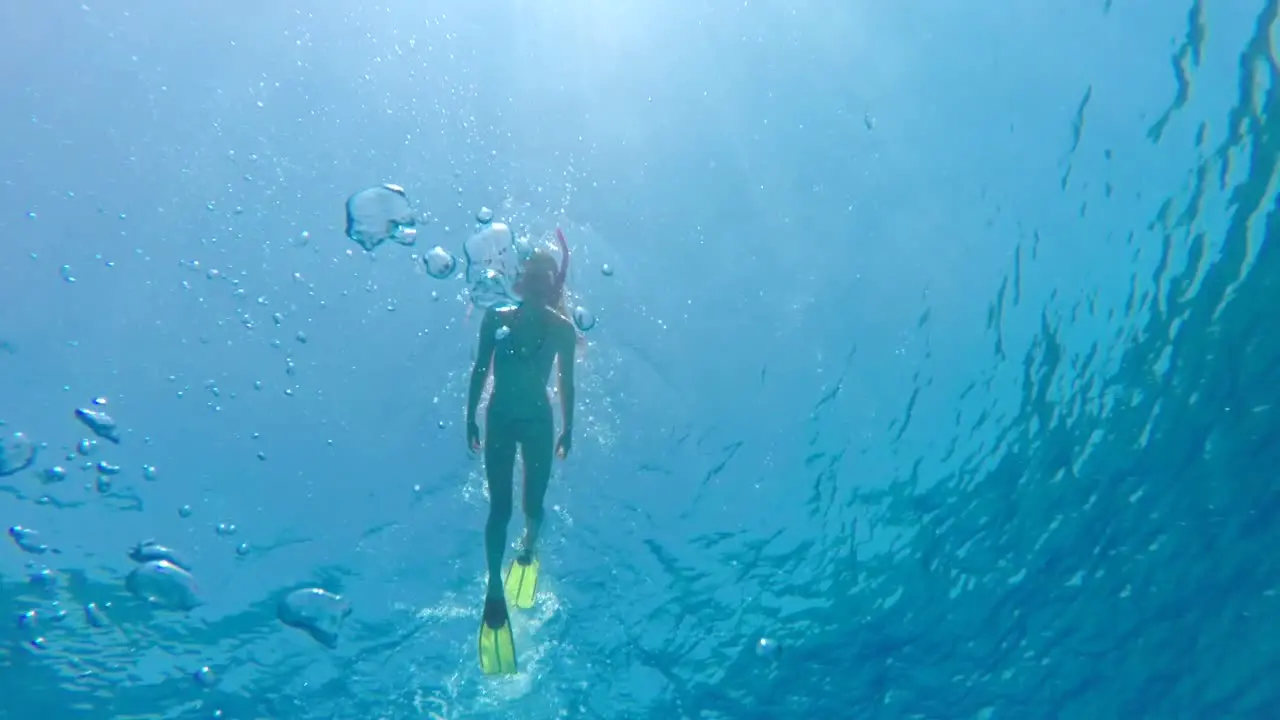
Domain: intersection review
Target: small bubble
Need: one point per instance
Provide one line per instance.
(94, 615)
(501, 333)
(205, 677)
(484, 216)
(43, 578)
(606, 270)
(104, 484)
(226, 529)
(262, 456)
(440, 263)
(184, 511)
(28, 620)
(149, 473)
(58, 614)
(766, 647)
(243, 549)
(257, 384)
(106, 468)
(301, 337)
(86, 446)
(65, 272)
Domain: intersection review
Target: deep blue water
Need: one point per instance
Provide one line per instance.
(940, 351)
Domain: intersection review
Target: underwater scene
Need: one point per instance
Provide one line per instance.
(685, 360)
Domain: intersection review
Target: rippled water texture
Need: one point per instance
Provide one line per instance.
(935, 374)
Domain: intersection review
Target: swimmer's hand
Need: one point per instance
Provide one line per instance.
(564, 444)
(473, 435)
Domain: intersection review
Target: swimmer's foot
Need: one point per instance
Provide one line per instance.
(495, 610)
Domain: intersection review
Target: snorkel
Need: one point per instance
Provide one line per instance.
(564, 264)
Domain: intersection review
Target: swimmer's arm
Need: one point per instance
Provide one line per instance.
(566, 359)
(484, 358)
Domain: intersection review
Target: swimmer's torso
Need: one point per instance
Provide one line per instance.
(523, 356)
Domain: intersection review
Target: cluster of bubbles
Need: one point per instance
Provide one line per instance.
(161, 576)
(494, 256)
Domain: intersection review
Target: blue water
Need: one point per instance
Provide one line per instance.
(939, 353)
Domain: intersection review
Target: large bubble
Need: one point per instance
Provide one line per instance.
(17, 453)
(493, 257)
(317, 612)
(584, 318)
(163, 584)
(379, 214)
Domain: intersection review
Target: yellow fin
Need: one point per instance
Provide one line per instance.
(522, 581)
(497, 649)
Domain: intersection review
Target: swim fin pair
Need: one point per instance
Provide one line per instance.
(497, 645)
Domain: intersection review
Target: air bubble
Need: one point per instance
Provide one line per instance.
(28, 540)
(484, 216)
(583, 318)
(606, 270)
(204, 677)
(766, 647)
(493, 265)
(94, 616)
(317, 612)
(163, 584)
(99, 422)
(17, 453)
(43, 578)
(379, 214)
(440, 263)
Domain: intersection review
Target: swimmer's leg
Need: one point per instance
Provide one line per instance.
(537, 448)
(499, 466)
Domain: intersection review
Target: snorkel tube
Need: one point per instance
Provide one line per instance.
(564, 264)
